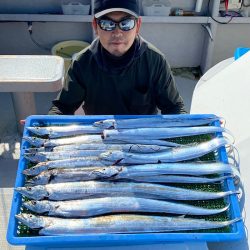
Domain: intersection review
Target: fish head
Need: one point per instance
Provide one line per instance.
(41, 179)
(112, 156)
(37, 169)
(38, 130)
(31, 150)
(31, 220)
(35, 157)
(38, 206)
(105, 124)
(112, 171)
(36, 193)
(106, 172)
(35, 141)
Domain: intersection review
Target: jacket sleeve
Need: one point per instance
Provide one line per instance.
(72, 94)
(167, 97)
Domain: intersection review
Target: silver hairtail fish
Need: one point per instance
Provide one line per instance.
(171, 155)
(79, 190)
(162, 173)
(54, 156)
(134, 148)
(39, 142)
(156, 122)
(117, 224)
(161, 133)
(67, 163)
(65, 130)
(109, 205)
(73, 174)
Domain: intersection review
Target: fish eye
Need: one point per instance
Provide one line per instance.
(30, 215)
(33, 202)
(29, 188)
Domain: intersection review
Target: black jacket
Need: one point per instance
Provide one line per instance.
(138, 83)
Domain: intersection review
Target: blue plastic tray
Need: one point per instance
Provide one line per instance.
(240, 52)
(236, 230)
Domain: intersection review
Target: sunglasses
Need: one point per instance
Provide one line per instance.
(110, 25)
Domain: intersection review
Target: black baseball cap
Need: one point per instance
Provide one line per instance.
(103, 7)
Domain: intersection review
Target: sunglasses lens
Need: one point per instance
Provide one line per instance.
(127, 24)
(109, 25)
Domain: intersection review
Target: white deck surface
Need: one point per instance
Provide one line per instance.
(224, 90)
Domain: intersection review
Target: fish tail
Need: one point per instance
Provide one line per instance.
(235, 172)
(226, 207)
(230, 222)
(228, 132)
(231, 192)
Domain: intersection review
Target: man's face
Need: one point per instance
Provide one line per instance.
(117, 42)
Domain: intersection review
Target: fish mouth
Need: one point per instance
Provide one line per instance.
(20, 190)
(20, 217)
(35, 142)
(24, 190)
(29, 183)
(27, 219)
(26, 171)
(29, 172)
(29, 205)
(23, 219)
(33, 130)
(26, 205)
(31, 157)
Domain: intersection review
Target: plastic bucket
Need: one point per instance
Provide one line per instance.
(67, 49)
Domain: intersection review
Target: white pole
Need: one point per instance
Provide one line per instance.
(198, 5)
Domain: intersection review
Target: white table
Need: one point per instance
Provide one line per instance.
(25, 74)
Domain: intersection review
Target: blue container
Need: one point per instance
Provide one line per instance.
(240, 52)
(236, 230)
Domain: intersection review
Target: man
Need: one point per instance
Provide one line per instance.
(120, 73)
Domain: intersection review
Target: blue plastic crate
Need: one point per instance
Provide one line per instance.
(240, 52)
(236, 230)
